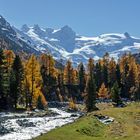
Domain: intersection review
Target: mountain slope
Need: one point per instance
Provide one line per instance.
(66, 44)
(9, 39)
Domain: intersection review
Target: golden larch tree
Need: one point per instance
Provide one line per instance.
(34, 79)
(103, 91)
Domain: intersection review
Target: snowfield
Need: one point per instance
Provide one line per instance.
(65, 44)
(14, 126)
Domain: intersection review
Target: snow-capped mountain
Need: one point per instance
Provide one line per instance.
(65, 44)
(9, 39)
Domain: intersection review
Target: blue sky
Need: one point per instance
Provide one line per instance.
(86, 17)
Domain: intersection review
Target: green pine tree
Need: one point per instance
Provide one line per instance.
(137, 94)
(39, 103)
(16, 81)
(82, 80)
(49, 75)
(3, 104)
(91, 95)
(98, 75)
(118, 75)
(115, 91)
(91, 88)
(105, 74)
(1, 70)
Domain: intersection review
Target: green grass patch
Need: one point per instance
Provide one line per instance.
(91, 127)
(125, 127)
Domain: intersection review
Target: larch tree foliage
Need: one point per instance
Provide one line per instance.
(91, 67)
(75, 77)
(49, 74)
(27, 93)
(103, 92)
(118, 75)
(75, 87)
(72, 104)
(9, 55)
(129, 75)
(60, 91)
(68, 77)
(34, 80)
(111, 72)
(91, 88)
(133, 75)
(124, 69)
(68, 73)
(16, 81)
(105, 68)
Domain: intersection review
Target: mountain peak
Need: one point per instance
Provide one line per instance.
(65, 31)
(25, 28)
(127, 35)
(36, 27)
(39, 31)
(3, 22)
(66, 27)
(1, 16)
(5, 27)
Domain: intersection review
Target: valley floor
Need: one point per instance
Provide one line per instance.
(126, 125)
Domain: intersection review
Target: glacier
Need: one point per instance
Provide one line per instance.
(65, 44)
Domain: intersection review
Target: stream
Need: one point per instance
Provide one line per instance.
(20, 126)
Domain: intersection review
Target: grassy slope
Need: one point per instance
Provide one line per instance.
(125, 127)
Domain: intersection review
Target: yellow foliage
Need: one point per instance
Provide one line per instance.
(60, 97)
(103, 91)
(48, 62)
(72, 104)
(45, 103)
(75, 76)
(68, 73)
(34, 79)
(9, 54)
(112, 66)
(130, 74)
(90, 65)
